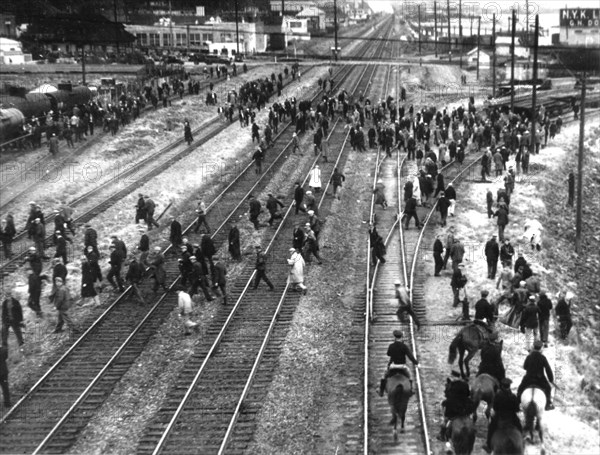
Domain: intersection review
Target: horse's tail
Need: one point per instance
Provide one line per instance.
(530, 413)
(399, 399)
(453, 348)
(463, 442)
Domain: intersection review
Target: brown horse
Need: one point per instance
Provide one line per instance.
(462, 435)
(507, 439)
(484, 389)
(398, 393)
(471, 339)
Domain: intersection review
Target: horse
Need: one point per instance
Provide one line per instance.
(398, 393)
(470, 339)
(484, 388)
(507, 439)
(462, 435)
(533, 403)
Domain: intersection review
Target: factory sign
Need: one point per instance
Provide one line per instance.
(580, 17)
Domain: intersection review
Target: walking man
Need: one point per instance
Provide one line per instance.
(492, 253)
(261, 269)
(62, 303)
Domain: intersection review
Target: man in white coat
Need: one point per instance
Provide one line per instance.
(296, 274)
(315, 179)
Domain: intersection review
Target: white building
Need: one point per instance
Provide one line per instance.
(503, 47)
(295, 28)
(484, 59)
(221, 35)
(11, 52)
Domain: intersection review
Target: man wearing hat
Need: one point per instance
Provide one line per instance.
(530, 321)
(135, 275)
(273, 205)
(140, 209)
(157, 270)
(254, 210)
(234, 242)
(220, 278)
(116, 262)
(315, 223)
(491, 358)
(492, 253)
(311, 243)
(62, 303)
(59, 222)
(175, 234)
(458, 401)
(61, 246)
(144, 243)
(484, 312)
(438, 251)
(310, 201)
(404, 304)
(150, 207)
(397, 352)
(201, 220)
(299, 197)
(537, 374)
(197, 277)
(12, 317)
(90, 238)
(443, 205)
(506, 407)
(38, 234)
(261, 269)
(34, 260)
(296, 273)
(184, 302)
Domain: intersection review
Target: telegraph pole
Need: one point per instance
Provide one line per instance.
(419, 12)
(494, 56)
(237, 30)
(435, 27)
(335, 27)
(460, 30)
(449, 36)
(116, 26)
(578, 220)
(535, 76)
(478, 43)
(512, 62)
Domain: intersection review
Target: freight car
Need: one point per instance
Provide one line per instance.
(35, 105)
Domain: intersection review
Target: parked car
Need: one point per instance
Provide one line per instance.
(210, 59)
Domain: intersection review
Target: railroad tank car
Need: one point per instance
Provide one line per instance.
(11, 123)
(67, 99)
(36, 104)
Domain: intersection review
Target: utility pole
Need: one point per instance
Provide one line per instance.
(578, 220)
(282, 7)
(460, 35)
(170, 25)
(335, 27)
(435, 27)
(512, 62)
(449, 36)
(237, 30)
(478, 43)
(535, 76)
(419, 12)
(494, 56)
(83, 64)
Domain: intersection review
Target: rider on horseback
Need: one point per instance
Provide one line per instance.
(484, 310)
(506, 406)
(535, 365)
(458, 401)
(404, 303)
(491, 359)
(397, 351)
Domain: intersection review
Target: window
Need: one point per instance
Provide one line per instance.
(167, 40)
(180, 39)
(207, 37)
(143, 39)
(295, 24)
(154, 40)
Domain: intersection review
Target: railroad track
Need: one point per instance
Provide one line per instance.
(403, 254)
(99, 358)
(102, 197)
(218, 389)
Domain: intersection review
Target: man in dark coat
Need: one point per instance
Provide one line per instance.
(491, 358)
(120, 247)
(144, 244)
(234, 242)
(537, 374)
(484, 311)
(410, 211)
(530, 320)
(35, 261)
(489, 199)
(258, 158)
(207, 245)
(39, 237)
(502, 214)
(59, 271)
(442, 206)
(135, 275)
(89, 275)
(116, 262)
(4, 376)
(175, 235)
(254, 210)
(62, 303)
(198, 279)
(12, 317)
(220, 278)
(150, 207)
(299, 237)
(506, 407)
(90, 238)
(61, 247)
(507, 253)
(492, 253)
(35, 292)
(397, 351)
(438, 250)
(458, 401)
(545, 306)
(336, 180)
(563, 314)
(458, 282)
(273, 205)
(261, 269)
(299, 197)
(140, 209)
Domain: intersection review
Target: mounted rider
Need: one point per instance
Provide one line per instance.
(458, 401)
(491, 358)
(397, 352)
(484, 313)
(535, 366)
(506, 406)
(404, 304)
